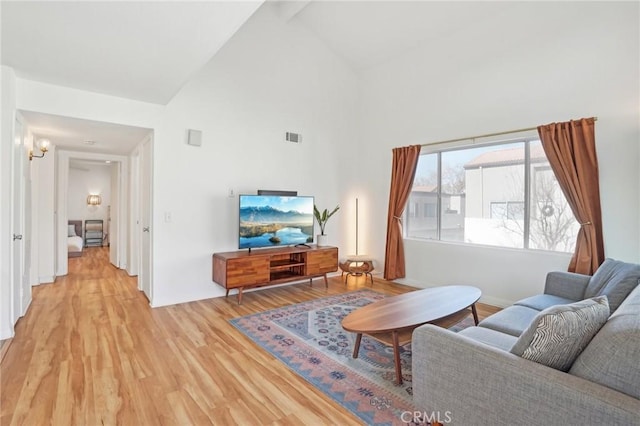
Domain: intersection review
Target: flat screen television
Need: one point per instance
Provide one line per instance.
(275, 220)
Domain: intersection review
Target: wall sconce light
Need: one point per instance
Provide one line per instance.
(43, 146)
(94, 200)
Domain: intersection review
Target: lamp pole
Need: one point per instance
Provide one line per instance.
(356, 226)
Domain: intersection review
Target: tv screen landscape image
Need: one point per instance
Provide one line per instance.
(275, 220)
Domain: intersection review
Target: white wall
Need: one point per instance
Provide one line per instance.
(44, 192)
(7, 117)
(48, 98)
(272, 77)
(85, 179)
(548, 66)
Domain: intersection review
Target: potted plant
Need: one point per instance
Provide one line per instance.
(322, 219)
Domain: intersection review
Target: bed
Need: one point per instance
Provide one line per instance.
(74, 241)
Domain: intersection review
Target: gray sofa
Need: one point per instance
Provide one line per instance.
(474, 378)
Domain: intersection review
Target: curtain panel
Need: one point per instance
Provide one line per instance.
(571, 150)
(403, 170)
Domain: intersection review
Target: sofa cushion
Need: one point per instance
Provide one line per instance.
(558, 334)
(611, 359)
(512, 320)
(630, 305)
(614, 279)
(541, 302)
(490, 337)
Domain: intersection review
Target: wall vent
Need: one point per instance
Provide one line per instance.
(293, 137)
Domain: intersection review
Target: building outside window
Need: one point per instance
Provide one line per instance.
(507, 210)
(501, 194)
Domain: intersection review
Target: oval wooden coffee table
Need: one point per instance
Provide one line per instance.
(393, 319)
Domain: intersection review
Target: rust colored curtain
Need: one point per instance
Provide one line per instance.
(571, 150)
(403, 171)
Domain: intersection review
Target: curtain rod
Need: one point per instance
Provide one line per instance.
(485, 135)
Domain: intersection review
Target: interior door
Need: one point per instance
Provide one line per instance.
(133, 263)
(112, 216)
(145, 273)
(20, 286)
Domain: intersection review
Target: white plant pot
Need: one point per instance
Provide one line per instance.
(322, 240)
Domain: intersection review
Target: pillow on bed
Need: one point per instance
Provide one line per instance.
(71, 231)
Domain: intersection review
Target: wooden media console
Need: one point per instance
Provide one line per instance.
(244, 269)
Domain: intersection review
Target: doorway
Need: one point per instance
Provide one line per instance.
(118, 237)
(93, 192)
(75, 140)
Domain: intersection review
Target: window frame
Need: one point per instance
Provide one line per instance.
(526, 141)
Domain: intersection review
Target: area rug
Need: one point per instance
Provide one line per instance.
(309, 339)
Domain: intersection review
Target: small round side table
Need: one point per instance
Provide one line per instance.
(356, 266)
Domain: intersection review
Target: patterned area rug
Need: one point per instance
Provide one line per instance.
(309, 339)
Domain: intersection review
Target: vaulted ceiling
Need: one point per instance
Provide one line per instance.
(139, 50)
(148, 50)
(368, 33)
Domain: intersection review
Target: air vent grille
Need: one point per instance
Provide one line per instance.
(293, 137)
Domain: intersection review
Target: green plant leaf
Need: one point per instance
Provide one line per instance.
(323, 217)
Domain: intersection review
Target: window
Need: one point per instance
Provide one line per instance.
(501, 194)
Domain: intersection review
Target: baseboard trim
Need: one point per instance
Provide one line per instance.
(47, 279)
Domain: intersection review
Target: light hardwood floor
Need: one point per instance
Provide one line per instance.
(90, 351)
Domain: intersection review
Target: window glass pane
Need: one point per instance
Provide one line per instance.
(453, 195)
(498, 211)
(482, 199)
(515, 210)
(552, 224)
(483, 195)
(421, 220)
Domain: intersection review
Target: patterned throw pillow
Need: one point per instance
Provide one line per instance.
(557, 335)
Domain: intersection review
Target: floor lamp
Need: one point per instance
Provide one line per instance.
(356, 226)
(357, 265)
